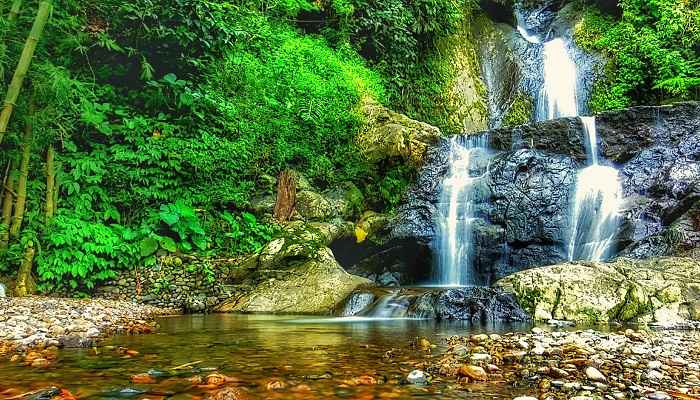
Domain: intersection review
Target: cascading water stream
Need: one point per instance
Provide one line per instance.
(558, 97)
(595, 214)
(461, 190)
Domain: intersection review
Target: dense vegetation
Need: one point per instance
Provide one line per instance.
(152, 123)
(149, 126)
(653, 48)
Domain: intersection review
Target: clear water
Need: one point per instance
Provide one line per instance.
(595, 217)
(315, 359)
(558, 97)
(461, 191)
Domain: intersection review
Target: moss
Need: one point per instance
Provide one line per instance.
(520, 112)
(634, 305)
(591, 315)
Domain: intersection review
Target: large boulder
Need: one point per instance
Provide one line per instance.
(314, 286)
(665, 291)
(388, 134)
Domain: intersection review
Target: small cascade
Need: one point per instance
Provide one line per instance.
(558, 96)
(2, 290)
(461, 191)
(522, 27)
(595, 215)
(389, 306)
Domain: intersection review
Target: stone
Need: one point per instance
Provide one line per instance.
(480, 357)
(624, 290)
(594, 375)
(316, 286)
(388, 134)
(417, 377)
(473, 372)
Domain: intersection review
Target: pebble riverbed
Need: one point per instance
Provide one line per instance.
(43, 322)
(581, 365)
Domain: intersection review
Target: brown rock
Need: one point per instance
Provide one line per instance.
(473, 372)
(143, 378)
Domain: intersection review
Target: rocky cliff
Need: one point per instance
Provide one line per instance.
(525, 217)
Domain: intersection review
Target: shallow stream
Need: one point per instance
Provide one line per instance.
(311, 358)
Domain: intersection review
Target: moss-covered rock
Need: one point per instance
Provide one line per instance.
(388, 134)
(315, 286)
(660, 290)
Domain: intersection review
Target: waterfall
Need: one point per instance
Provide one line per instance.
(461, 191)
(595, 215)
(558, 96)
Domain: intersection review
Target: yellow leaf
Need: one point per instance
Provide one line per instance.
(360, 234)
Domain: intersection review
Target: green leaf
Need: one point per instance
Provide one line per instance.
(148, 246)
(200, 241)
(168, 244)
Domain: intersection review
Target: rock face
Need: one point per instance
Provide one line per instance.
(315, 286)
(665, 291)
(524, 219)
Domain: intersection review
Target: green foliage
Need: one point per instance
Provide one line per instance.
(80, 253)
(652, 51)
(239, 234)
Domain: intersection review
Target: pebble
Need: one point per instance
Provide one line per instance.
(595, 375)
(417, 377)
(584, 364)
(30, 322)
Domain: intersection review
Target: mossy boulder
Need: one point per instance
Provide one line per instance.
(316, 285)
(388, 134)
(659, 290)
(343, 201)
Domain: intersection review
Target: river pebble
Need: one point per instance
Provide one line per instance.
(41, 322)
(634, 364)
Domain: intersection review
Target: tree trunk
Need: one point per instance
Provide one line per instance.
(286, 195)
(14, 11)
(22, 181)
(7, 203)
(23, 66)
(50, 184)
(25, 284)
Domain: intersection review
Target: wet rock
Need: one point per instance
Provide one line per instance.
(473, 372)
(143, 379)
(417, 377)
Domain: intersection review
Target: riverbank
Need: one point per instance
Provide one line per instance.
(653, 365)
(43, 322)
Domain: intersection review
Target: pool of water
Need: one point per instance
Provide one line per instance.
(310, 358)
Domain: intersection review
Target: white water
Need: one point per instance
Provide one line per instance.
(558, 96)
(595, 215)
(461, 190)
(2, 290)
(522, 28)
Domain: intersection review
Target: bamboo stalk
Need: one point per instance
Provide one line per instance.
(7, 203)
(50, 183)
(4, 181)
(25, 60)
(21, 201)
(14, 10)
(25, 283)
